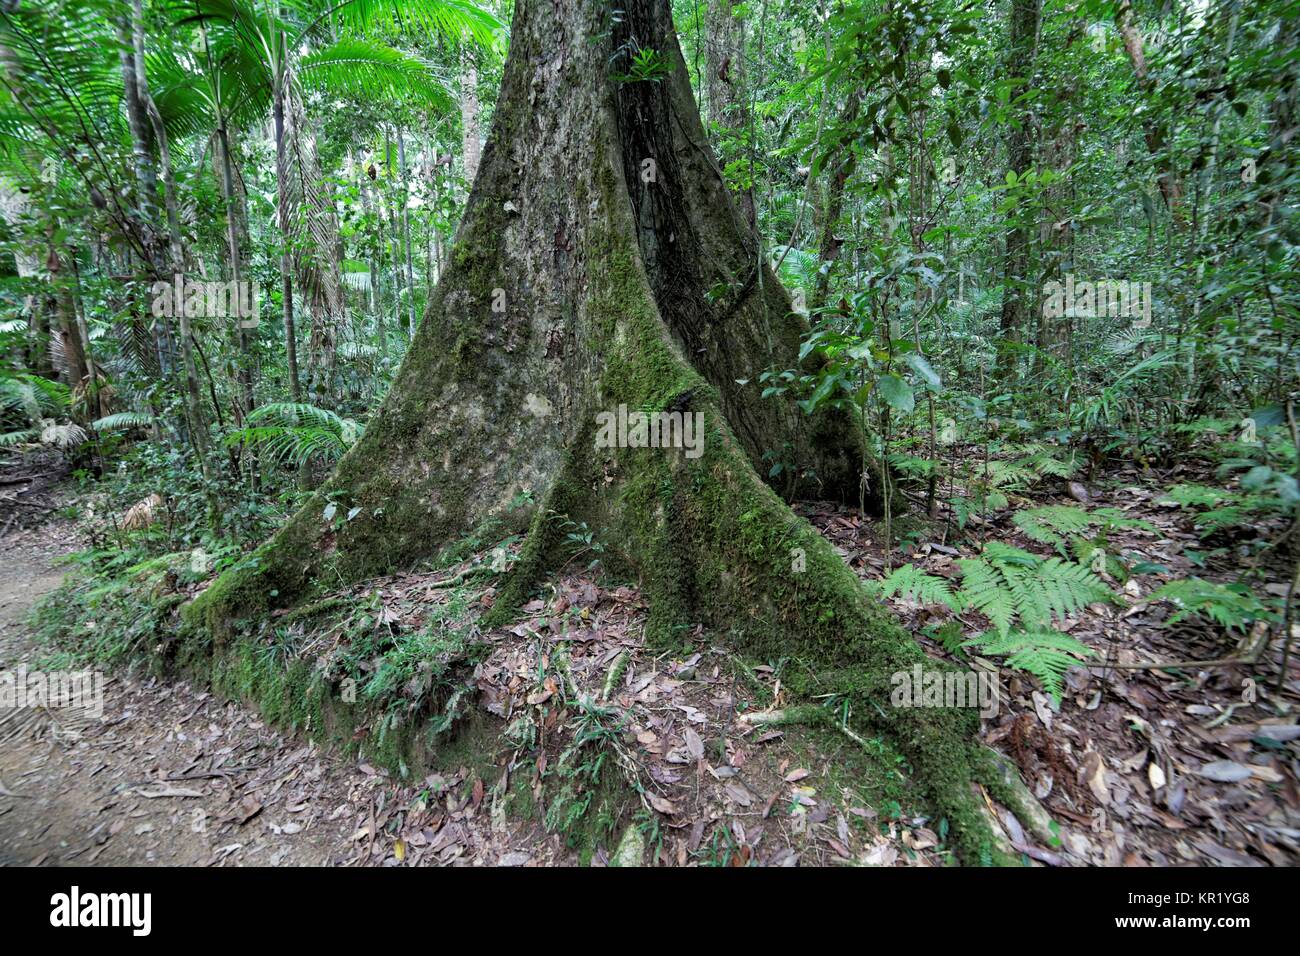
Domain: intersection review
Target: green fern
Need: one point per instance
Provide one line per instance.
(914, 584)
(294, 432)
(1008, 584)
(984, 588)
(1264, 491)
(1230, 605)
(1009, 475)
(1052, 524)
(1195, 496)
(1043, 652)
(122, 420)
(1044, 463)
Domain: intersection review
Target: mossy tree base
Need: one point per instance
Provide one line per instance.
(601, 264)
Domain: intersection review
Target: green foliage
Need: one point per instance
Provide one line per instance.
(1232, 606)
(28, 406)
(123, 420)
(1263, 493)
(1022, 595)
(644, 65)
(1052, 524)
(1055, 524)
(1008, 584)
(296, 432)
(1043, 652)
(909, 582)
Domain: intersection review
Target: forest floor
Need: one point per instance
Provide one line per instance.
(1138, 766)
(1141, 766)
(167, 775)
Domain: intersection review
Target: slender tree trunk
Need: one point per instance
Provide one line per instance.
(1156, 134)
(471, 138)
(236, 219)
(138, 124)
(62, 306)
(235, 264)
(842, 166)
(193, 400)
(14, 205)
(404, 197)
(727, 103)
(286, 253)
(1016, 293)
(372, 268)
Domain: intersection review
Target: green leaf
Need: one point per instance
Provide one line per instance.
(896, 393)
(923, 368)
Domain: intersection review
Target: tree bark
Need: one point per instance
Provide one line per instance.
(286, 252)
(470, 136)
(61, 305)
(1016, 295)
(841, 168)
(1156, 134)
(727, 103)
(578, 284)
(406, 227)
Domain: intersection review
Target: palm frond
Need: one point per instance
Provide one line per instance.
(365, 70)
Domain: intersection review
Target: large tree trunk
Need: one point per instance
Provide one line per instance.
(602, 223)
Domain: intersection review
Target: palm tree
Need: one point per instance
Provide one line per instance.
(260, 53)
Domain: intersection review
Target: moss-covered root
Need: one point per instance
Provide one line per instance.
(948, 769)
(1003, 781)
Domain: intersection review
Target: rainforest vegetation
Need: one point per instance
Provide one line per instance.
(323, 321)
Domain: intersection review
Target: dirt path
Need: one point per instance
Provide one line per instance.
(169, 775)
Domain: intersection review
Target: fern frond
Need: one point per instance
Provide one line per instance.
(1043, 652)
(26, 436)
(1195, 496)
(62, 436)
(122, 420)
(983, 588)
(914, 584)
(1231, 606)
(1052, 524)
(1044, 463)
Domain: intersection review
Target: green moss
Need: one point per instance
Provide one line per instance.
(473, 745)
(521, 804)
(589, 812)
(315, 609)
